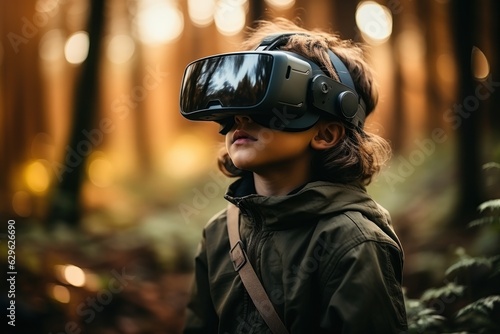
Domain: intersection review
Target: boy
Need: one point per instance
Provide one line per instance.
(292, 113)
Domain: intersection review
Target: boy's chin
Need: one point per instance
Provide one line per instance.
(245, 165)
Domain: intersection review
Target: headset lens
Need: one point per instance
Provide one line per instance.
(226, 81)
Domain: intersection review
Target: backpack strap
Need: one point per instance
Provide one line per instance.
(248, 276)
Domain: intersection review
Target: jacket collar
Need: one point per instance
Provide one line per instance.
(302, 205)
(306, 205)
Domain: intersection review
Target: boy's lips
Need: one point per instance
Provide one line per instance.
(240, 137)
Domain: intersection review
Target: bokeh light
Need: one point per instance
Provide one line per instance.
(36, 176)
(76, 49)
(374, 21)
(159, 22)
(281, 4)
(74, 275)
(121, 48)
(51, 47)
(59, 293)
(230, 17)
(480, 65)
(201, 12)
(100, 170)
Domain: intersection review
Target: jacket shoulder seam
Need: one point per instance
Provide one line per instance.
(353, 243)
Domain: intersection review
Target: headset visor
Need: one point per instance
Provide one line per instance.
(251, 83)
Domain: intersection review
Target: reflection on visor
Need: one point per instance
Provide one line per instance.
(226, 81)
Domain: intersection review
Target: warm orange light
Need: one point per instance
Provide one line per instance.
(77, 47)
(201, 12)
(159, 21)
(59, 293)
(74, 275)
(37, 177)
(120, 49)
(230, 17)
(100, 171)
(480, 64)
(281, 4)
(374, 21)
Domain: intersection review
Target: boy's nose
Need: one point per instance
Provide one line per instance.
(239, 119)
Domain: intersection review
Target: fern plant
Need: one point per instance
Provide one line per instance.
(470, 301)
(492, 206)
(482, 315)
(422, 319)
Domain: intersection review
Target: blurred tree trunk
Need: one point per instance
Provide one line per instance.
(21, 100)
(397, 125)
(429, 25)
(466, 114)
(143, 147)
(494, 59)
(345, 20)
(256, 11)
(65, 205)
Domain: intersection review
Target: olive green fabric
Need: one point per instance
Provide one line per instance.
(326, 255)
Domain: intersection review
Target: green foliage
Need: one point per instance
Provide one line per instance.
(493, 208)
(469, 302)
(448, 291)
(469, 269)
(482, 307)
(422, 319)
(492, 205)
(481, 316)
(492, 220)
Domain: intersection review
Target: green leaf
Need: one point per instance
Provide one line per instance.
(450, 289)
(469, 267)
(491, 165)
(492, 205)
(484, 221)
(484, 306)
(422, 319)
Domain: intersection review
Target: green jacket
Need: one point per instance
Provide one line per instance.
(326, 255)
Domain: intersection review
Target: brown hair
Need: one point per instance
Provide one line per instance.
(359, 155)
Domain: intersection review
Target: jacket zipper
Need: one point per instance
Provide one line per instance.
(254, 236)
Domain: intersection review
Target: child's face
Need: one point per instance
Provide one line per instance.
(259, 149)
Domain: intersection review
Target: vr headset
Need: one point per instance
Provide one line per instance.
(277, 89)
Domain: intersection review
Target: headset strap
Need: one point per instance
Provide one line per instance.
(248, 276)
(341, 70)
(274, 41)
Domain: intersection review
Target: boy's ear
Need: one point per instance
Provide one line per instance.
(328, 134)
